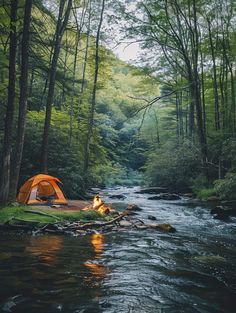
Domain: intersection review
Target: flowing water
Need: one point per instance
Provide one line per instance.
(192, 270)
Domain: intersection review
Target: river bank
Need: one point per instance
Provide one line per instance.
(76, 218)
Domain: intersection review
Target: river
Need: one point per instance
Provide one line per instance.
(146, 271)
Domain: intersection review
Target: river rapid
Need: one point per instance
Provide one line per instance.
(146, 271)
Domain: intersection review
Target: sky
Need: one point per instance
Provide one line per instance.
(127, 52)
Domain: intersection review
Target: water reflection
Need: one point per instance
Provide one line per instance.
(97, 241)
(97, 270)
(45, 248)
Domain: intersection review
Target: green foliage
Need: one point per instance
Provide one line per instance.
(173, 166)
(226, 187)
(205, 193)
(114, 174)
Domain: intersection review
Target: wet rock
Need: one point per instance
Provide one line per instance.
(125, 224)
(141, 227)
(151, 217)
(152, 190)
(165, 196)
(121, 197)
(222, 213)
(130, 213)
(163, 227)
(188, 195)
(213, 199)
(133, 207)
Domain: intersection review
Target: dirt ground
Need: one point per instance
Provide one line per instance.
(73, 205)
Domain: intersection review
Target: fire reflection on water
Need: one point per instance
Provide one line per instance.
(46, 248)
(97, 241)
(97, 270)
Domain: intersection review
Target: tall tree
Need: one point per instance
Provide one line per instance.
(7, 144)
(93, 100)
(63, 18)
(15, 166)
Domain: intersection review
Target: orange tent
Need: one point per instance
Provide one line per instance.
(41, 189)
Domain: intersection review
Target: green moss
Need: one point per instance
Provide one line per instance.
(11, 214)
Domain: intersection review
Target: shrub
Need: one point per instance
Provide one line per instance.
(206, 193)
(226, 187)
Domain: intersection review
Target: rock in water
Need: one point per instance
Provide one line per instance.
(152, 190)
(121, 197)
(165, 196)
(125, 224)
(133, 207)
(151, 217)
(213, 199)
(221, 213)
(163, 227)
(141, 227)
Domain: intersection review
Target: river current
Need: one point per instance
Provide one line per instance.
(143, 271)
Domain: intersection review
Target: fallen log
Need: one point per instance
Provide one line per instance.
(96, 224)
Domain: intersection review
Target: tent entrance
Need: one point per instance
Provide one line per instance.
(43, 192)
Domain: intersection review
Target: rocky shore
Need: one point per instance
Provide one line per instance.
(124, 221)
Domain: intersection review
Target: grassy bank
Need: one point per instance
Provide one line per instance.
(32, 214)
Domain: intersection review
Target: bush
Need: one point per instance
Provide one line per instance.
(205, 193)
(226, 187)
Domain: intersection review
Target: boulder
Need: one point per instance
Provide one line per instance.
(152, 190)
(213, 199)
(141, 227)
(222, 213)
(133, 207)
(165, 196)
(121, 197)
(152, 218)
(130, 212)
(163, 227)
(188, 195)
(125, 224)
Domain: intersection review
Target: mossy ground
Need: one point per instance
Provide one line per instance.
(12, 214)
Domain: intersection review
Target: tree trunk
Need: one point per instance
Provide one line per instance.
(85, 60)
(215, 83)
(22, 102)
(6, 152)
(233, 100)
(79, 27)
(60, 29)
(30, 107)
(93, 101)
(196, 93)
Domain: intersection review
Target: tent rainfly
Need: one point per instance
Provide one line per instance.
(41, 189)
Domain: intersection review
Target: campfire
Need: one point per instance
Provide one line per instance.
(100, 206)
